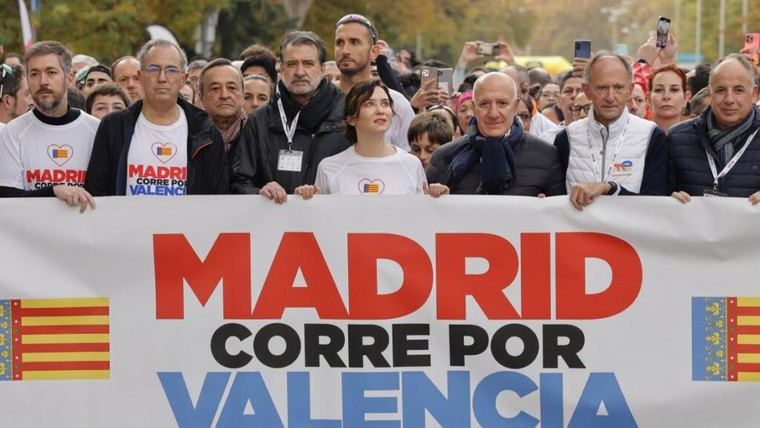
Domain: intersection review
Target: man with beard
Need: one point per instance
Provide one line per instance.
(284, 141)
(355, 49)
(45, 151)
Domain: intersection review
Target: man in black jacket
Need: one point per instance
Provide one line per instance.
(283, 142)
(497, 157)
(162, 145)
(718, 153)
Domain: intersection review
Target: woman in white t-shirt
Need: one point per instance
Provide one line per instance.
(371, 166)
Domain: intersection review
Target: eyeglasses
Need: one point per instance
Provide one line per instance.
(359, 19)
(577, 109)
(170, 70)
(7, 71)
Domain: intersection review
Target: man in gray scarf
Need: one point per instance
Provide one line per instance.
(718, 153)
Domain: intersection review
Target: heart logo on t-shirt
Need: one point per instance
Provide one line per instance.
(371, 187)
(60, 154)
(164, 152)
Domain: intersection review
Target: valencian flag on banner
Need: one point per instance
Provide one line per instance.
(726, 339)
(54, 339)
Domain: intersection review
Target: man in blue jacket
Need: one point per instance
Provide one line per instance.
(718, 153)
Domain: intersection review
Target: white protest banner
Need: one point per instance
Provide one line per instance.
(380, 312)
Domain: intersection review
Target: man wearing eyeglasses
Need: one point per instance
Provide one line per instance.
(162, 145)
(611, 151)
(14, 93)
(355, 50)
(45, 152)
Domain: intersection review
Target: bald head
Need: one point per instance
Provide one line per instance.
(495, 98)
(495, 79)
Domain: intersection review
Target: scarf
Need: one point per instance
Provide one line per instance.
(233, 132)
(495, 156)
(314, 112)
(720, 138)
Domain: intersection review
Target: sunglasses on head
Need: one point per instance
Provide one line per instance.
(359, 20)
(7, 71)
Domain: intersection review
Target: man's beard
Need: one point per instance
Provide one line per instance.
(354, 69)
(47, 107)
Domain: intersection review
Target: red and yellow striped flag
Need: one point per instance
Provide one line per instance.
(55, 339)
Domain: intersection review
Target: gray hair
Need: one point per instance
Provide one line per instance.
(606, 54)
(742, 61)
(50, 47)
(163, 44)
(298, 38)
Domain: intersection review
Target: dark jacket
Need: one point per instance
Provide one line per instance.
(255, 159)
(207, 172)
(537, 169)
(690, 172)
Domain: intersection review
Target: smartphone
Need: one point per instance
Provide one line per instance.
(428, 77)
(491, 49)
(752, 46)
(582, 49)
(446, 80)
(663, 27)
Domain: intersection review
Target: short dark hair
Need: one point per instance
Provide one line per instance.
(219, 62)
(263, 58)
(75, 98)
(51, 47)
(700, 79)
(11, 83)
(354, 18)
(14, 55)
(107, 89)
(354, 100)
(298, 38)
(435, 126)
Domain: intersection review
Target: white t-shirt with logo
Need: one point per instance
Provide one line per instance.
(157, 159)
(349, 173)
(35, 155)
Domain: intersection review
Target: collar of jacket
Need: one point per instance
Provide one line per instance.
(615, 127)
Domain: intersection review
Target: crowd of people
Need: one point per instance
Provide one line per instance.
(372, 122)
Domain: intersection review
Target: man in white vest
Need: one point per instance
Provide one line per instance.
(612, 151)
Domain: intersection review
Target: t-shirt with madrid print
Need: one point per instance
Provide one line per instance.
(37, 151)
(157, 159)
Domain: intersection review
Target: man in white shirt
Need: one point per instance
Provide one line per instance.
(355, 49)
(162, 145)
(45, 151)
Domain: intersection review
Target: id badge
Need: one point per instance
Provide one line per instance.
(290, 160)
(714, 193)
